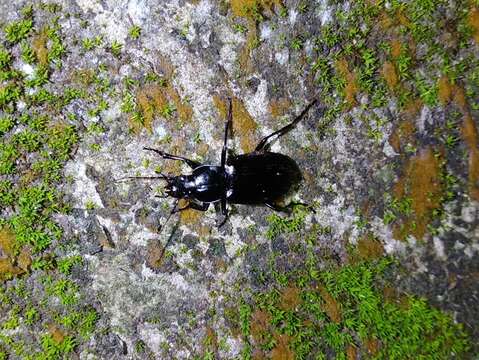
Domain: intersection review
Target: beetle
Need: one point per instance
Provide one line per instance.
(261, 177)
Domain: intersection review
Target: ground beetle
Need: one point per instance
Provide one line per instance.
(257, 178)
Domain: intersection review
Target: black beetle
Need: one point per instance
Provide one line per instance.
(257, 178)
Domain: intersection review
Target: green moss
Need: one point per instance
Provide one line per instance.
(40, 77)
(9, 94)
(52, 349)
(88, 322)
(27, 140)
(6, 124)
(5, 58)
(61, 140)
(134, 32)
(7, 193)
(28, 55)
(31, 315)
(115, 48)
(406, 329)
(8, 157)
(19, 30)
(280, 225)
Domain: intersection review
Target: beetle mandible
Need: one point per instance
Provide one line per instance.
(261, 177)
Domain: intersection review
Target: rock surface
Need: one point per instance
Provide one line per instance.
(389, 156)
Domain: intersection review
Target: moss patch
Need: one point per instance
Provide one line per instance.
(347, 315)
(253, 8)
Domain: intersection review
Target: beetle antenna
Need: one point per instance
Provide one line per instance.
(161, 227)
(159, 176)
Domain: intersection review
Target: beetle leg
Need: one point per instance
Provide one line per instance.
(224, 211)
(228, 124)
(288, 208)
(191, 163)
(265, 143)
(221, 207)
(194, 205)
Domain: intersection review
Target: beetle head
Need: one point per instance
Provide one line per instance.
(175, 187)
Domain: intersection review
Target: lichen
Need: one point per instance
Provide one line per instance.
(279, 107)
(422, 184)
(244, 125)
(473, 19)
(351, 88)
(39, 45)
(469, 134)
(390, 75)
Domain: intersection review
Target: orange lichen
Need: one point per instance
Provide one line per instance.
(351, 88)
(57, 334)
(260, 323)
(459, 98)
(8, 269)
(401, 18)
(282, 351)
(154, 99)
(403, 134)
(372, 346)
(351, 352)
(39, 46)
(384, 20)
(7, 241)
(370, 247)
(151, 100)
(412, 109)
(396, 48)
(154, 254)
(24, 259)
(394, 140)
(290, 298)
(243, 124)
(189, 216)
(12, 264)
(279, 107)
(473, 20)
(421, 183)
(244, 58)
(185, 111)
(390, 75)
(331, 306)
(469, 134)
(445, 89)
